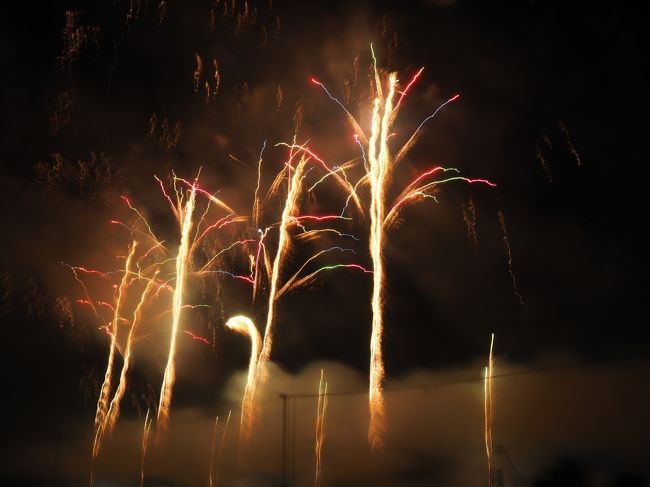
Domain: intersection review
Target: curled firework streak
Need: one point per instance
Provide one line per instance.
(114, 409)
(185, 222)
(244, 325)
(320, 428)
(102, 402)
(488, 410)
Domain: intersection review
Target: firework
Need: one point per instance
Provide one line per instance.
(102, 402)
(185, 222)
(379, 166)
(243, 325)
(379, 163)
(114, 409)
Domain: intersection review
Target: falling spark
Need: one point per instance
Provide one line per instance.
(320, 428)
(102, 402)
(244, 325)
(114, 409)
(569, 142)
(488, 410)
(469, 217)
(197, 71)
(185, 222)
(143, 448)
(542, 162)
(256, 203)
(506, 242)
(217, 77)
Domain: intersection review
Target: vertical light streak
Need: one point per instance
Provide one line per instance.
(102, 402)
(487, 394)
(243, 325)
(320, 428)
(145, 442)
(214, 436)
(114, 409)
(185, 221)
(379, 169)
(221, 443)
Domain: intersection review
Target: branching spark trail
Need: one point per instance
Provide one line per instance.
(506, 242)
(185, 222)
(351, 119)
(102, 402)
(407, 147)
(379, 167)
(143, 449)
(244, 325)
(488, 410)
(114, 409)
(320, 428)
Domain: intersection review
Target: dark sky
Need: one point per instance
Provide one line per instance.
(551, 110)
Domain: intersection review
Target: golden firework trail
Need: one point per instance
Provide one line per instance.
(114, 409)
(379, 161)
(102, 402)
(320, 428)
(379, 165)
(185, 222)
(143, 449)
(244, 325)
(487, 394)
(290, 207)
(214, 436)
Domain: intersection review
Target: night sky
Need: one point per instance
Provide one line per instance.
(98, 97)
